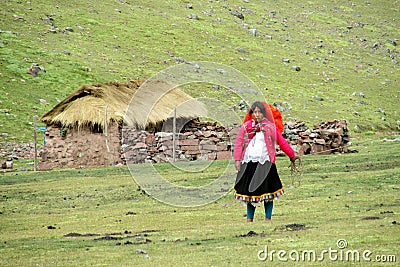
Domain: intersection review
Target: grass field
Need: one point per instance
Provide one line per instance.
(100, 217)
(323, 60)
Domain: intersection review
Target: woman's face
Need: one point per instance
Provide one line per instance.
(257, 115)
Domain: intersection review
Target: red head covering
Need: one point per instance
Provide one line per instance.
(275, 113)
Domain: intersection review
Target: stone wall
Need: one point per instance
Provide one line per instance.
(197, 141)
(80, 147)
(19, 150)
(325, 138)
(208, 141)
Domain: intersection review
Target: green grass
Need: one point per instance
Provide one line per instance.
(336, 199)
(354, 43)
(122, 40)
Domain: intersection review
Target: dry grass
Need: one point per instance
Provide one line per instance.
(121, 102)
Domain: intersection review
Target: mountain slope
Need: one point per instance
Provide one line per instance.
(320, 59)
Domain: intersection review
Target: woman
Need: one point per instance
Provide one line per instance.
(255, 155)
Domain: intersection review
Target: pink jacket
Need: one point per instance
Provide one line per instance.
(271, 137)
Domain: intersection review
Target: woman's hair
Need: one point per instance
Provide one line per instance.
(259, 105)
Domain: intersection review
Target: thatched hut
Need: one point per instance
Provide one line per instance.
(85, 129)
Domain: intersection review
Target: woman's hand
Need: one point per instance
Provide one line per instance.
(294, 158)
(237, 165)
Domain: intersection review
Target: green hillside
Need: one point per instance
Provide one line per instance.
(322, 59)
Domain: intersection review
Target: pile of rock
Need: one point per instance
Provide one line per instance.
(18, 150)
(196, 141)
(326, 137)
(135, 145)
(205, 140)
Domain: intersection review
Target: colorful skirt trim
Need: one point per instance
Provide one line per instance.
(256, 199)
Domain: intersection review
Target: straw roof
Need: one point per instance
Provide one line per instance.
(94, 104)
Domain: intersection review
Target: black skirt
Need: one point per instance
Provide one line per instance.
(257, 182)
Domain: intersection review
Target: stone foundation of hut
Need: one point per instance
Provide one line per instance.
(195, 141)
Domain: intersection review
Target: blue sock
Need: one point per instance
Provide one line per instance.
(250, 211)
(268, 205)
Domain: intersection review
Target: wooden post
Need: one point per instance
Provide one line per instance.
(34, 143)
(173, 135)
(106, 128)
(106, 134)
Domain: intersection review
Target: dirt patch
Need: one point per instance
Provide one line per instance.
(249, 234)
(179, 240)
(386, 212)
(126, 232)
(291, 227)
(124, 237)
(295, 227)
(370, 218)
(149, 231)
(80, 235)
(108, 237)
(201, 242)
(144, 241)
